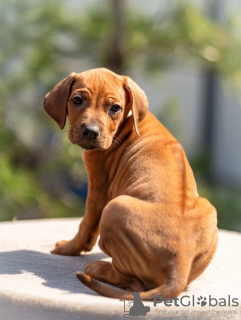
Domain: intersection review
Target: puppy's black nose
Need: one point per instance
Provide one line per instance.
(91, 132)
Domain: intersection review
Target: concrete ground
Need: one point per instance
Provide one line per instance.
(39, 286)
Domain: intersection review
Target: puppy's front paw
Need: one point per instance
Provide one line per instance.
(60, 243)
(66, 248)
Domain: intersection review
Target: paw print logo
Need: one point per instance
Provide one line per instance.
(202, 301)
(129, 304)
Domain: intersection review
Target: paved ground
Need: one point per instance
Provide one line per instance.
(37, 285)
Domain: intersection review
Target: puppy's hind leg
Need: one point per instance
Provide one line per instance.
(175, 283)
(106, 272)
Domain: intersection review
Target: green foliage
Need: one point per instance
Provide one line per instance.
(185, 34)
(19, 188)
(21, 192)
(226, 200)
(47, 33)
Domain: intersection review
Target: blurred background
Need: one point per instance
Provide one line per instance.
(186, 55)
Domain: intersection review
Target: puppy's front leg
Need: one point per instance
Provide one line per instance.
(88, 229)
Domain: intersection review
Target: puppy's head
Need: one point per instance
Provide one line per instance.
(96, 101)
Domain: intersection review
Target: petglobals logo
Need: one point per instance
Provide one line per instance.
(192, 301)
(134, 307)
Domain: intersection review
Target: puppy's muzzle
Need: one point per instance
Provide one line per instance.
(91, 132)
(90, 136)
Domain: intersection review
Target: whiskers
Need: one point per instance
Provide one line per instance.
(117, 142)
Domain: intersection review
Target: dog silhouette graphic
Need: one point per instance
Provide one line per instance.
(138, 308)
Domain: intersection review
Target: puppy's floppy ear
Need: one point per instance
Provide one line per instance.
(138, 101)
(55, 102)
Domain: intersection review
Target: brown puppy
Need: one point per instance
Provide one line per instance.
(142, 197)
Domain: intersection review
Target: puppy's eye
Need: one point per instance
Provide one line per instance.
(115, 108)
(77, 101)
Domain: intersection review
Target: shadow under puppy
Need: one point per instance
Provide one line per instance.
(142, 196)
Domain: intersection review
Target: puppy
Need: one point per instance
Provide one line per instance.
(142, 197)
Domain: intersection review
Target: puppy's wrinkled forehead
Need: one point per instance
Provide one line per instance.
(100, 82)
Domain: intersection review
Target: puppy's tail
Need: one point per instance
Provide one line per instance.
(171, 288)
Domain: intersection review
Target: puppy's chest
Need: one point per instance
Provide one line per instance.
(97, 168)
(102, 173)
